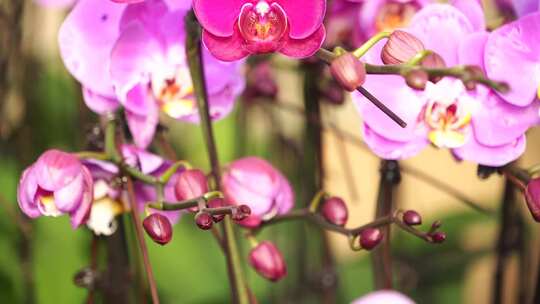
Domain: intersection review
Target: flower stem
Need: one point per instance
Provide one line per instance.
(193, 46)
(140, 239)
(361, 51)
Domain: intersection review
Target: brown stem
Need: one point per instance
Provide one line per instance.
(140, 239)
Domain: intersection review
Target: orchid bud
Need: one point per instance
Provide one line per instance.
(472, 73)
(417, 79)
(400, 48)
(434, 61)
(438, 237)
(412, 218)
(158, 227)
(204, 220)
(335, 211)
(241, 213)
(217, 203)
(532, 195)
(348, 71)
(268, 261)
(370, 238)
(190, 184)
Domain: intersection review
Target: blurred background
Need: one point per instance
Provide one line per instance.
(41, 108)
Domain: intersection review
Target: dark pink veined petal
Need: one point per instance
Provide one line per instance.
(225, 48)
(471, 49)
(473, 10)
(304, 17)
(303, 48)
(390, 149)
(86, 38)
(494, 156)
(441, 27)
(55, 169)
(26, 193)
(81, 214)
(69, 197)
(512, 50)
(218, 17)
(134, 56)
(498, 122)
(143, 127)
(98, 103)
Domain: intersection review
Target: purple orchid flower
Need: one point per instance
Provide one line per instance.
(514, 49)
(254, 182)
(56, 184)
(134, 56)
(110, 200)
(384, 297)
(478, 126)
(524, 7)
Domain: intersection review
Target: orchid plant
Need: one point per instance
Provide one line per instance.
(421, 73)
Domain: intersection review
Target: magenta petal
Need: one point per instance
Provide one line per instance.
(284, 200)
(69, 197)
(148, 162)
(86, 38)
(178, 4)
(55, 169)
(441, 27)
(499, 123)
(494, 156)
(135, 55)
(473, 10)
(225, 48)
(303, 48)
(143, 127)
(26, 192)
(389, 149)
(81, 214)
(471, 49)
(524, 7)
(513, 50)
(139, 100)
(218, 17)
(98, 103)
(305, 17)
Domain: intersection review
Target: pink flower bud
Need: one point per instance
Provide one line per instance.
(335, 211)
(417, 79)
(400, 48)
(348, 71)
(191, 184)
(158, 227)
(370, 238)
(434, 61)
(204, 220)
(412, 218)
(438, 237)
(217, 203)
(268, 261)
(532, 195)
(241, 213)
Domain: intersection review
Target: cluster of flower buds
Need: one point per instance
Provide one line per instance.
(437, 237)
(205, 218)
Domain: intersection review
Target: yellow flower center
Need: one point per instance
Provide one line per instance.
(174, 93)
(447, 124)
(102, 216)
(538, 92)
(395, 15)
(48, 207)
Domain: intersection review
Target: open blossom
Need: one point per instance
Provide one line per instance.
(254, 182)
(134, 56)
(384, 297)
(514, 49)
(56, 184)
(109, 198)
(234, 29)
(476, 125)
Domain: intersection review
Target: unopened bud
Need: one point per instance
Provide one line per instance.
(217, 203)
(204, 220)
(472, 73)
(434, 61)
(191, 184)
(158, 227)
(348, 71)
(438, 237)
(400, 48)
(532, 195)
(417, 79)
(370, 238)
(335, 211)
(268, 261)
(412, 218)
(241, 212)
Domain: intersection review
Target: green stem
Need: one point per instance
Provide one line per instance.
(361, 51)
(193, 45)
(419, 57)
(110, 140)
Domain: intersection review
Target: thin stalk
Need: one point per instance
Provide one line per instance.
(239, 288)
(116, 284)
(140, 239)
(381, 257)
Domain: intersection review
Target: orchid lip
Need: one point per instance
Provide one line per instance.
(395, 15)
(262, 23)
(174, 92)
